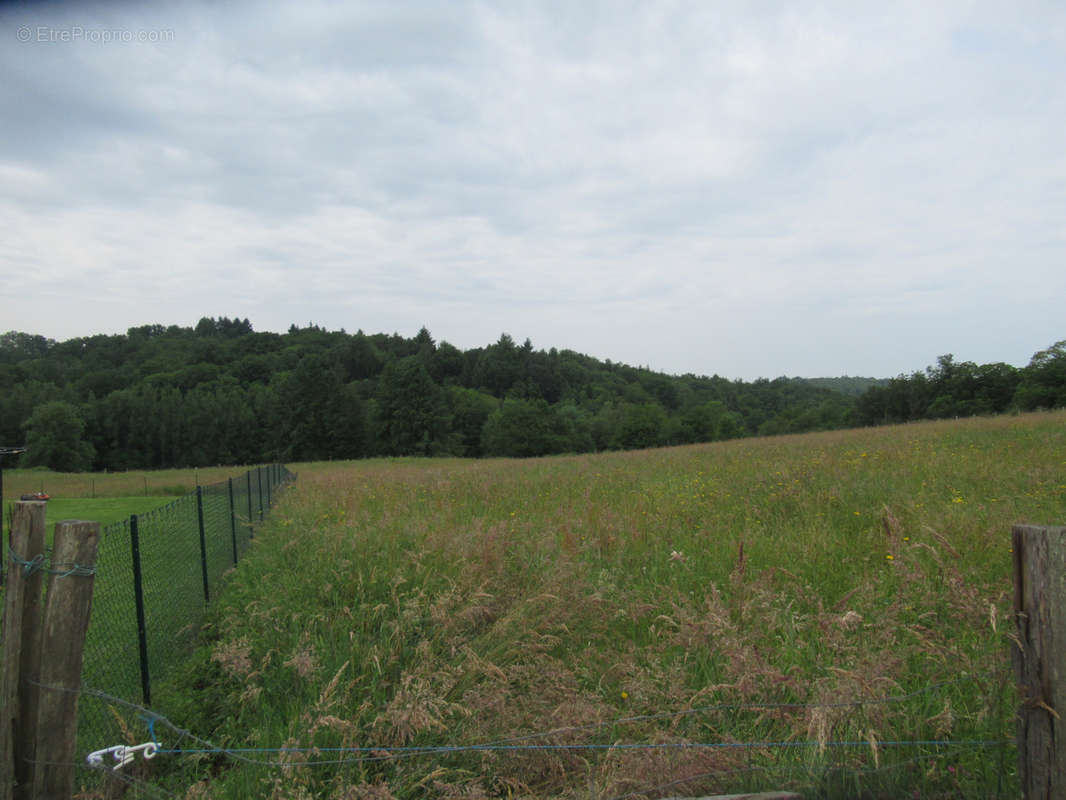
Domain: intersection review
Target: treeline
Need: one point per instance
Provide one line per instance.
(965, 389)
(223, 393)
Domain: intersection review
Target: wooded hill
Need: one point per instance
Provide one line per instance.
(220, 393)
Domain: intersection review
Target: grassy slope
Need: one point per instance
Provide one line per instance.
(440, 601)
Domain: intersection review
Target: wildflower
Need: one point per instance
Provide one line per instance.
(889, 557)
(906, 538)
(625, 695)
(677, 555)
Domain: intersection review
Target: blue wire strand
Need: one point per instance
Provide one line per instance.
(432, 750)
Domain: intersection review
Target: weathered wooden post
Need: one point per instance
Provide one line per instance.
(66, 620)
(21, 651)
(4, 451)
(1040, 658)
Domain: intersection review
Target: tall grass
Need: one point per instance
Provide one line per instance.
(763, 583)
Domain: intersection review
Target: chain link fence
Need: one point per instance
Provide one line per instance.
(155, 575)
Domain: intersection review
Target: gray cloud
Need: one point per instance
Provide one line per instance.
(772, 189)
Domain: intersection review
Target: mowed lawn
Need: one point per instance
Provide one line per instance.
(138, 483)
(827, 612)
(104, 510)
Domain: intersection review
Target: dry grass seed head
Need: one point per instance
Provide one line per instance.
(303, 661)
(818, 727)
(850, 620)
(692, 770)
(472, 790)
(235, 657)
(417, 707)
(944, 722)
(326, 698)
(250, 696)
(290, 782)
(891, 525)
(201, 790)
(331, 722)
(364, 791)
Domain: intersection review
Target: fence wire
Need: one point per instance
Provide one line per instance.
(182, 567)
(846, 768)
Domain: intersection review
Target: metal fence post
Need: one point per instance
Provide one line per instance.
(270, 481)
(232, 520)
(138, 596)
(203, 540)
(259, 480)
(248, 480)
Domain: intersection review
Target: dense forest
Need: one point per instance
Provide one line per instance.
(221, 393)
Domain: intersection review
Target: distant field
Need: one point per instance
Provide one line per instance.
(144, 483)
(105, 497)
(793, 600)
(104, 510)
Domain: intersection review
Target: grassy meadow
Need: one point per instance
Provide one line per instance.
(137, 483)
(831, 610)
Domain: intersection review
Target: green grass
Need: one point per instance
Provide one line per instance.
(591, 600)
(104, 510)
(146, 483)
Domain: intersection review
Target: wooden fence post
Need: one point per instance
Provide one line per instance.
(21, 651)
(66, 619)
(1040, 658)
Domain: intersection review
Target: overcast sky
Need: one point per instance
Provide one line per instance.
(747, 189)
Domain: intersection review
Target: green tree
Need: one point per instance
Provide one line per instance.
(577, 432)
(322, 417)
(446, 364)
(359, 358)
(1043, 383)
(705, 420)
(412, 414)
(641, 425)
(523, 428)
(470, 409)
(54, 438)
(499, 366)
